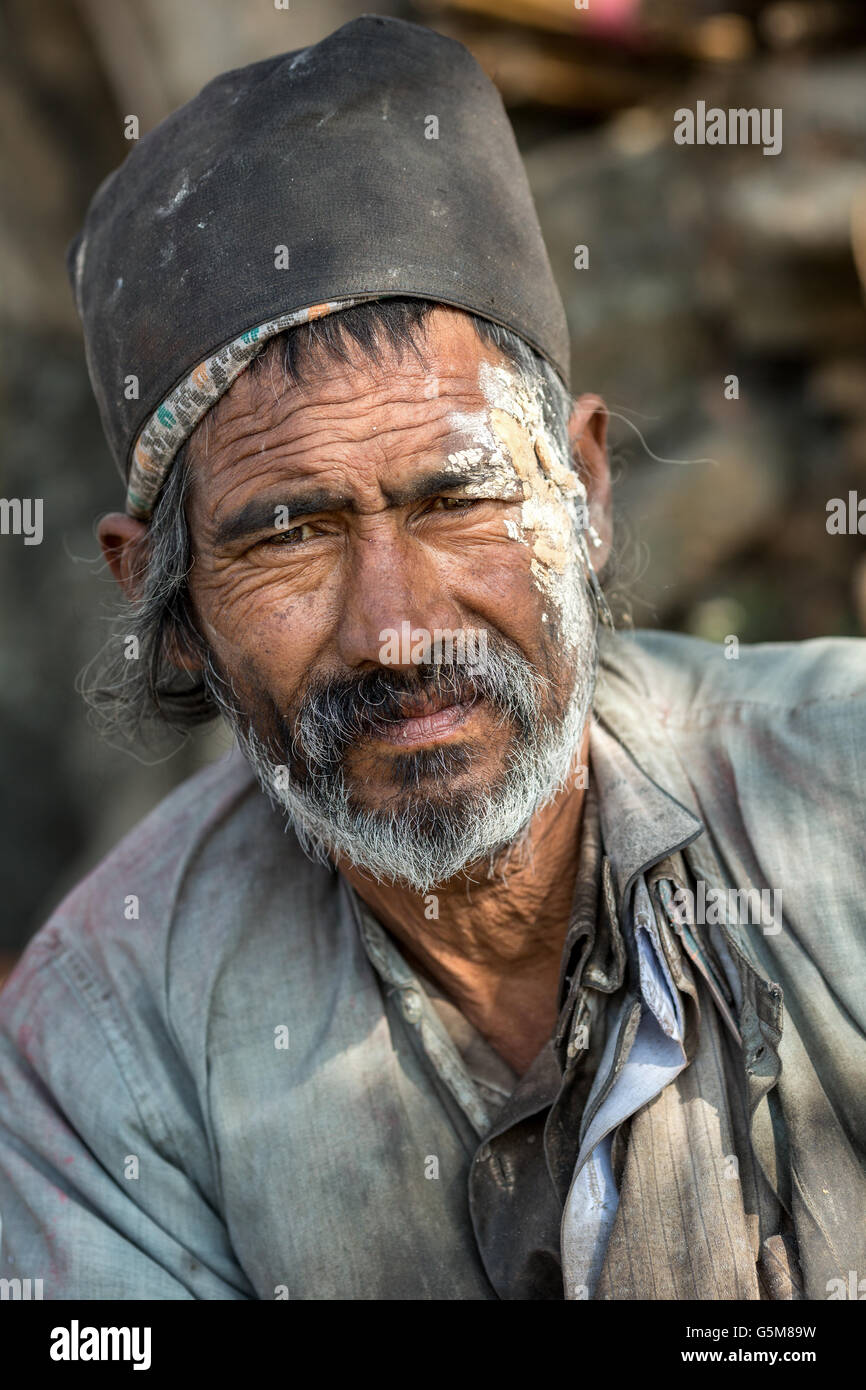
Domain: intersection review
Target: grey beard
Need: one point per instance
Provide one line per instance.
(426, 841)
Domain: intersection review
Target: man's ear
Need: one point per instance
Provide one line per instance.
(587, 432)
(124, 545)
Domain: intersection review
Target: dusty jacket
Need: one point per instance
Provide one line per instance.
(209, 1090)
(767, 750)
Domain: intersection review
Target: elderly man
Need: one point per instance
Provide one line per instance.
(505, 956)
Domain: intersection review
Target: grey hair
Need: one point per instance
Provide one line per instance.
(137, 685)
(155, 672)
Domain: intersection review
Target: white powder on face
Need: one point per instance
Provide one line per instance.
(552, 492)
(475, 425)
(515, 531)
(501, 481)
(464, 458)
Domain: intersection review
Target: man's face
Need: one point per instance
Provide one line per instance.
(336, 529)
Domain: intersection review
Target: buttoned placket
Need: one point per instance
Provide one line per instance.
(420, 1016)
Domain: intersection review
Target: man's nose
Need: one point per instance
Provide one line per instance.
(391, 580)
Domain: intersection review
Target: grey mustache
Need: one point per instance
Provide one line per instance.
(340, 712)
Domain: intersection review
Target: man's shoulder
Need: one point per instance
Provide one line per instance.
(782, 722)
(182, 874)
(689, 680)
(147, 867)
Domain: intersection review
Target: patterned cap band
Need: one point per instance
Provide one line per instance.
(167, 429)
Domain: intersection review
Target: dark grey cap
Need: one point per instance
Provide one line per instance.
(381, 159)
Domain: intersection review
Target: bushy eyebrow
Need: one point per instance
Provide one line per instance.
(260, 513)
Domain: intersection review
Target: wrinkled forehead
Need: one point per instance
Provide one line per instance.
(444, 353)
(456, 396)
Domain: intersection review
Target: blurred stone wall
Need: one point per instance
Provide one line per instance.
(703, 263)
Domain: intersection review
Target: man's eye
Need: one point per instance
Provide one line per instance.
(291, 535)
(452, 504)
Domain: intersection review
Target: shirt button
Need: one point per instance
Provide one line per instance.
(411, 1005)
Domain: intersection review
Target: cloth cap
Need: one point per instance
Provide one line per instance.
(377, 162)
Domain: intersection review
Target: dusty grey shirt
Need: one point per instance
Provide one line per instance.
(209, 1089)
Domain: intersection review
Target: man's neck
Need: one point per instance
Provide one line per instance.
(495, 945)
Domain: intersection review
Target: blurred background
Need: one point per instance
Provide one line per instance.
(704, 263)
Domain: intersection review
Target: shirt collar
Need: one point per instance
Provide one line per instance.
(641, 822)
